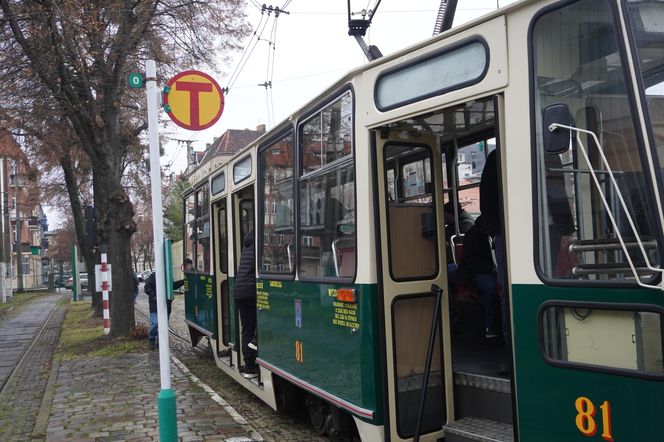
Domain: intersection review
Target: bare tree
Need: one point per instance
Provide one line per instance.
(78, 54)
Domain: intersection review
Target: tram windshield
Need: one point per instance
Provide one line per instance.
(647, 26)
(578, 62)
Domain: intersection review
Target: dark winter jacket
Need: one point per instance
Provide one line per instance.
(490, 195)
(151, 290)
(477, 256)
(245, 280)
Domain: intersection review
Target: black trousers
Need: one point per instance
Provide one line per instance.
(247, 308)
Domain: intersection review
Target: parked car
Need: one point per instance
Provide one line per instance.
(144, 275)
(84, 281)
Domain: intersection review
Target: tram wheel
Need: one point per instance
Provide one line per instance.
(319, 413)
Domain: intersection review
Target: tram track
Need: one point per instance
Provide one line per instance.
(33, 341)
(175, 334)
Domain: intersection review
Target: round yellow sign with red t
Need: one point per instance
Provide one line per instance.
(193, 100)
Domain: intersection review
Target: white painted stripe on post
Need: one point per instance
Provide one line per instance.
(104, 284)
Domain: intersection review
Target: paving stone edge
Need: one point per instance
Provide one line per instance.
(45, 409)
(237, 417)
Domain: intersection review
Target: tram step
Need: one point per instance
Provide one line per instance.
(478, 429)
(481, 396)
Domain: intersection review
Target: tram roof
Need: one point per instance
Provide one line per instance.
(358, 71)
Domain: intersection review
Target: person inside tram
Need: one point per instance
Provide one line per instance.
(477, 268)
(561, 221)
(490, 209)
(244, 294)
(465, 223)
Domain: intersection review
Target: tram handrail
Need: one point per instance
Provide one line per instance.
(593, 173)
(290, 259)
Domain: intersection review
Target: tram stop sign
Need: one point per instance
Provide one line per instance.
(193, 100)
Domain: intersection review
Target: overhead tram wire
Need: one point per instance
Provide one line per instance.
(245, 56)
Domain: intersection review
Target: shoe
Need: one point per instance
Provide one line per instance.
(250, 372)
(152, 344)
(490, 333)
(253, 345)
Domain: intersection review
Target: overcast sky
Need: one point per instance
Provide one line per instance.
(312, 49)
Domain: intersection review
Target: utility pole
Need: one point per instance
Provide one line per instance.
(19, 246)
(6, 230)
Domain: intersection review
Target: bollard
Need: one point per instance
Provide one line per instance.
(104, 291)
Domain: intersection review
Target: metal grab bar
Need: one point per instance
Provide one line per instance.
(335, 256)
(608, 268)
(600, 246)
(290, 259)
(623, 205)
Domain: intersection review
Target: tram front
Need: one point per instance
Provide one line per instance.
(593, 369)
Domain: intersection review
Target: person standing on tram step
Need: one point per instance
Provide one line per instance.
(490, 209)
(151, 290)
(244, 294)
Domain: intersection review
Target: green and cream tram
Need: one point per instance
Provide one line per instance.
(346, 198)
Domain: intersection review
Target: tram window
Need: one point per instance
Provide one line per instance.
(276, 253)
(242, 170)
(594, 336)
(577, 62)
(411, 215)
(327, 224)
(223, 240)
(452, 69)
(190, 221)
(327, 136)
(412, 320)
(218, 183)
(645, 19)
(202, 239)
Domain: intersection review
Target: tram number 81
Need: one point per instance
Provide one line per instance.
(299, 352)
(585, 420)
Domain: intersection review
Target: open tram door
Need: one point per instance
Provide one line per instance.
(421, 163)
(412, 259)
(243, 223)
(220, 229)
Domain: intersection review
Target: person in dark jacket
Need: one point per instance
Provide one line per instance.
(244, 294)
(477, 267)
(151, 290)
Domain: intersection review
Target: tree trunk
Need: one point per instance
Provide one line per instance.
(85, 243)
(116, 212)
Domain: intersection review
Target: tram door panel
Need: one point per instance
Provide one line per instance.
(413, 258)
(243, 223)
(220, 214)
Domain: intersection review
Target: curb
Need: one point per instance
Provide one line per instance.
(45, 409)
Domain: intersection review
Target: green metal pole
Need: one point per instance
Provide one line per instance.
(74, 272)
(168, 422)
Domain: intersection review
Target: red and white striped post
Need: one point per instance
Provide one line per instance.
(104, 293)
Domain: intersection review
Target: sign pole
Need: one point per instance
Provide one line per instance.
(168, 429)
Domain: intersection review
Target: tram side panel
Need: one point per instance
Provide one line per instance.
(311, 337)
(200, 305)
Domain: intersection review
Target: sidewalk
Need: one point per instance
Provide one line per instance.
(106, 399)
(109, 397)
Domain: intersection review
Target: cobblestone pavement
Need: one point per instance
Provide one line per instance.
(271, 426)
(21, 398)
(113, 399)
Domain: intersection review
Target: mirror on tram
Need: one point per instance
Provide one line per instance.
(556, 141)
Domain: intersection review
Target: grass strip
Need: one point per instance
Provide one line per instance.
(83, 336)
